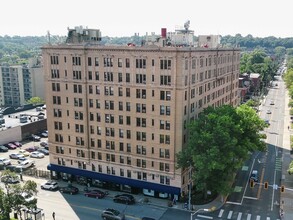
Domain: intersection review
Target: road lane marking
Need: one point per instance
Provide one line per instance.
(248, 216)
(221, 213)
(204, 216)
(261, 180)
(239, 216)
(248, 197)
(230, 215)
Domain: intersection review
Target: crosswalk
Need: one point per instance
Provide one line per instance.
(229, 214)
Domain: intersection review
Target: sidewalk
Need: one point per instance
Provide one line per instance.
(286, 198)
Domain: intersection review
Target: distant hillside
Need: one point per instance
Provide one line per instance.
(17, 50)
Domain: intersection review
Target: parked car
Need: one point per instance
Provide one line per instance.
(37, 154)
(44, 143)
(44, 134)
(5, 161)
(124, 198)
(24, 153)
(269, 111)
(95, 194)
(112, 214)
(69, 189)
(11, 146)
(43, 150)
(10, 179)
(3, 148)
(15, 156)
(28, 197)
(25, 164)
(50, 185)
(16, 143)
(272, 102)
(34, 137)
(32, 149)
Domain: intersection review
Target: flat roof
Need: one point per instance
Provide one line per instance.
(12, 120)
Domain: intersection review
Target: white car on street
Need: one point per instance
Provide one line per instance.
(37, 154)
(50, 185)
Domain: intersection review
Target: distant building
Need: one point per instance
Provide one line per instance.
(117, 115)
(209, 41)
(18, 83)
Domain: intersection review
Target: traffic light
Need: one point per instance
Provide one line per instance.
(266, 185)
(282, 189)
(251, 183)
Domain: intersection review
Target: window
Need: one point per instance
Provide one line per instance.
(127, 63)
(54, 60)
(141, 63)
(119, 62)
(96, 61)
(108, 76)
(127, 79)
(108, 62)
(76, 74)
(76, 61)
(165, 80)
(120, 79)
(165, 64)
(141, 78)
(90, 75)
(56, 87)
(55, 74)
(89, 61)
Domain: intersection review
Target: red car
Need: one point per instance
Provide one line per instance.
(95, 193)
(11, 146)
(32, 149)
(17, 144)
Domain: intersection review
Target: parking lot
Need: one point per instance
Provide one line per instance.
(40, 163)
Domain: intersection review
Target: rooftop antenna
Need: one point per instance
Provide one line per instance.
(49, 37)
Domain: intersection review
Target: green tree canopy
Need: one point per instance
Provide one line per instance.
(11, 197)
(35, 101)
(219, 142)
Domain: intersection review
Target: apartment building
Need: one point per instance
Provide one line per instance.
(117, 115)
(18, 83)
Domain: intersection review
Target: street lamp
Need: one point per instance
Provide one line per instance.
(192, 214)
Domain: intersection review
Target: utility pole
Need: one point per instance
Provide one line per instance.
(189, 187)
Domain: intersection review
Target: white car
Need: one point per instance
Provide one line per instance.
(37, 154)
(5, 161)
(50, 185)
(269, 111)
(27, 197)
(26, 164)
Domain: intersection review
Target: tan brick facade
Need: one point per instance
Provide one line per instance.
(123, 111)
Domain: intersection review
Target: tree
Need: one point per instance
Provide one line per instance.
(35, 101)
(12, 196)
(219, 142)
(288, 78)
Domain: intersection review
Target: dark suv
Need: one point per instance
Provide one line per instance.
(124, 198)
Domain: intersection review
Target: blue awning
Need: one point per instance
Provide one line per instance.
(116, 179)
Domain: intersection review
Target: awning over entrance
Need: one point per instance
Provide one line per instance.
(115, 179)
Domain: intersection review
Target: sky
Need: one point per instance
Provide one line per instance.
(118, 18)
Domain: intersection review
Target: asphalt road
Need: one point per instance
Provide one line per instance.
(257, 202)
